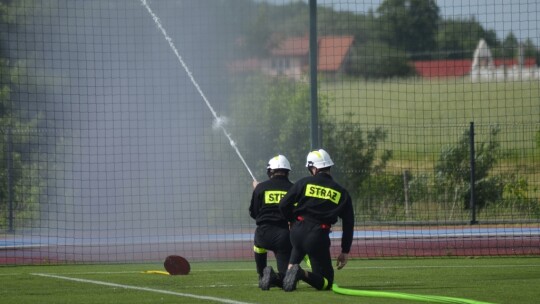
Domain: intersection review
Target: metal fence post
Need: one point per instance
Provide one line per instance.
(472, 203)
(9, 157)
(313, 73)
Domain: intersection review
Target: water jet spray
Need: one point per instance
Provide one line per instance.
(219, 122)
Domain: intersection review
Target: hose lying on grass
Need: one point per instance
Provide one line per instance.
(403, 296)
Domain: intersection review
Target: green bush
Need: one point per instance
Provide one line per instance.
(355, 153)
(382, 196)
(516, 196)
(453, 171)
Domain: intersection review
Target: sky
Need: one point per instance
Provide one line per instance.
(518, 16)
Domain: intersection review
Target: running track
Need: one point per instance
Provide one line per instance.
(410, 242)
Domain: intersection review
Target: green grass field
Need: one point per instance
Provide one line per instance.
(422, 115)
(491, 280)
(440, 102)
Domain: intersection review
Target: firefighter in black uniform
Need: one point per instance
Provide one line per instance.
(314, 203)
(272, 231)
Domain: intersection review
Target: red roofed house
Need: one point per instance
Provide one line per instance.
(333, 53)
(460, 67)
(482, 67)
(443, 68)
(291, 56)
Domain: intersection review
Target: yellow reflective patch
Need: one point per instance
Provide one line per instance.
(258, 249)
(273, 197)
(323, 192)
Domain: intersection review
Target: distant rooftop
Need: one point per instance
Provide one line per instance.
(332, 50)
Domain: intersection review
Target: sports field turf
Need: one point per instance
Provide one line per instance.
(420, 115)
(488, 280)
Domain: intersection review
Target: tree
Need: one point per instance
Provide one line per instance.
(20, 182)
(364, 28)
(531, 51)
(457, 39)
(410, 25)
(355, 152)
(272, 118)
(510, 46)
(379, 60)
(258, 34)
(275, 119)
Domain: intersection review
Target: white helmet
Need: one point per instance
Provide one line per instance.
(278, 162)
(319, 159)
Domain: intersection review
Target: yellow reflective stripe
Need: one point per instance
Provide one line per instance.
(323, 192)
(259, 249)
(273, 197)
(325, 283)
(307, 260)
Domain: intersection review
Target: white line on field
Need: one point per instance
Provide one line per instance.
(187, 295)
(348, 267)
